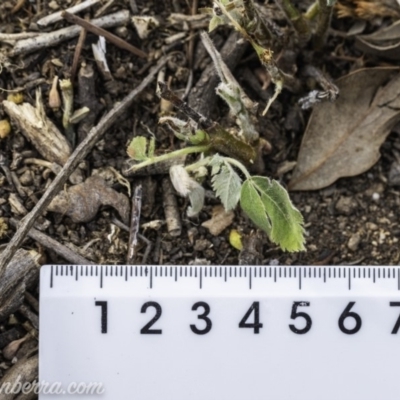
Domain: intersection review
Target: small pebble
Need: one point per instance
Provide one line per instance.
(371, 226)
(354, 242)
(202, 244)
(26, 178)
(346, 205)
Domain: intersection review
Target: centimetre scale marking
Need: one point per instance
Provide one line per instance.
(211, 272)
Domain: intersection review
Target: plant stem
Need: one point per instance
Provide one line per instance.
(256, 27)
(324, 19)
(312, 11)
(298, 20)
(169, 156)
(201, 163)
(239, 165)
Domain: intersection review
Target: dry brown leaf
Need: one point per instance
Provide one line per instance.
(367, 9)
(220, 220)
(81, 202)
(383, 43)
(343, 138)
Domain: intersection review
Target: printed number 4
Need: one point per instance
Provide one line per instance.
(256, 325)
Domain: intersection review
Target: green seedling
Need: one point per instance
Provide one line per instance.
(226, 157)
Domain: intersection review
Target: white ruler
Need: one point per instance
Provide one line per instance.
(222, 333)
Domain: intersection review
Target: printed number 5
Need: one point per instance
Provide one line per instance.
(296, 314)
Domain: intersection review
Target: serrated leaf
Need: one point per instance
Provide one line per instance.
(137, 148)
(252, 205)
(268, 205)
(227, 185)
(215, 163)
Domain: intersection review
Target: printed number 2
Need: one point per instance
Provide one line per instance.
(256, 325)
(146, 329)
(296, 314)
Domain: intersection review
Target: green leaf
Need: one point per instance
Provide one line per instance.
(227, 185)
(252, 205)
(137, 148)
(216, 163)
(215, 22)
(152, 147)
(268, 205)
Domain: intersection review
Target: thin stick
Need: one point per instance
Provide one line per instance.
(46, 40)
(76, 157)
(55, 17)
(135, 220)
(73, 19)
(50, 243)
(77, 53)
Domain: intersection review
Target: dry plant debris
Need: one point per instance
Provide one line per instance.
(343, 138)
(384, 42)
(81, 202)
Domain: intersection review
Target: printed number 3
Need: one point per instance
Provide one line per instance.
(203, 316)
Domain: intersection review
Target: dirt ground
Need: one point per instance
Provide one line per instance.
(354, 221)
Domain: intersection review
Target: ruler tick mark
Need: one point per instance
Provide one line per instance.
(151, 277)
(324, 274)
(300, 280)
(101, 277)
(250, 278)
(51, 276)
(349, 281)
(76, 273)
(201, 279)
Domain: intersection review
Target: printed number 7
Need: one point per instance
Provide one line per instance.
(397, 325)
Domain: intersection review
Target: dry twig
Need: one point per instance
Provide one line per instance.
(45, 40)
(135, 220)
(102, 32)
(55, 17)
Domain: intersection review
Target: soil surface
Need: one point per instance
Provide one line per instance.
(355, 221)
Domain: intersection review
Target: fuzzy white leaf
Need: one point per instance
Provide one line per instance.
(196, 197)
(227, 185)
(187, 187)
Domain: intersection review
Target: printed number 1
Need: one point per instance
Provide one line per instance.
(103, 305)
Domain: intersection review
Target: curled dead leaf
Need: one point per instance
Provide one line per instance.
(343, 138)
(81, 202)
(383, 43)
(220, 220)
